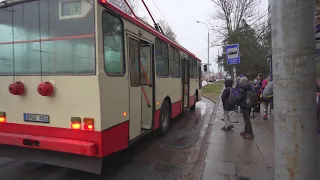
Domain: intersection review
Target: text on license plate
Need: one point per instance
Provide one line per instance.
(41, 118)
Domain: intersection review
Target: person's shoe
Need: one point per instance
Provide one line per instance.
(248, 136)
(224, 128)
(243, 133)
(230, 126)
(265, 117)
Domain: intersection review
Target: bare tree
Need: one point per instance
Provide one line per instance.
(230, 14)
(167, 30)
(123, 6)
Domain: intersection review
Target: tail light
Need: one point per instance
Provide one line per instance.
(3, 118)
(88, 124)
(76, 123)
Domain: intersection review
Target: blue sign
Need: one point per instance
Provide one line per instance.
(233, 54)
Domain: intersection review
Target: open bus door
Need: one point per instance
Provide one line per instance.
(185, 79)
(141, 90)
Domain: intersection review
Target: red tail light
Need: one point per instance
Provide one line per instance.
(88, 124)
(103, 1)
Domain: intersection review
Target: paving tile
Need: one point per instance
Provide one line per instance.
(217, 176)
(219, 167)
(254, 170)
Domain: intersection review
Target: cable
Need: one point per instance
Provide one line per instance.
(160, 12)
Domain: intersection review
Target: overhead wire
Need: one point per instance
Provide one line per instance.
(160, 12)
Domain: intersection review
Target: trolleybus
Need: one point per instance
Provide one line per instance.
(81, 79)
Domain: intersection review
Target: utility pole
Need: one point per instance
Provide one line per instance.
(294, 68)
(208, 67)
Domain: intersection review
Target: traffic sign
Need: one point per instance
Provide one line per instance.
(233, 54)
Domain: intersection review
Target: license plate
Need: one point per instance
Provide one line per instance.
(40, 118)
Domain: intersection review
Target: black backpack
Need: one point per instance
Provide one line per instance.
(232, 99)
(251, 99)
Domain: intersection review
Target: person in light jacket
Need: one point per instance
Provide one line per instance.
(267, 96)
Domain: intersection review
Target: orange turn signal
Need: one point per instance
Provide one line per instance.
(75, 123)
(3, 118)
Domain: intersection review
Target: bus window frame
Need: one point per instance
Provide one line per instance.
(123, 44)
(168, 58)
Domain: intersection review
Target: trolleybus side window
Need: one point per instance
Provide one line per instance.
(162, 59)
(134, 62)
(174, 63)
(195, 69)
(113, 44)
(190, 60)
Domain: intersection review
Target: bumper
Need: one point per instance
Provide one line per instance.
(72, 161)
(48, 143)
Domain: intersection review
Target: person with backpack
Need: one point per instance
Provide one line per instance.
(237, 89)
(227, 106)
(247, 99)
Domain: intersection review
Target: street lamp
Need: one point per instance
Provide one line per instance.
(208, 42)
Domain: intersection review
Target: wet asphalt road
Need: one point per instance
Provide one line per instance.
(171, 157)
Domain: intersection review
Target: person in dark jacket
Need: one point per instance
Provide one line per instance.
(224, 98)
(244, 87)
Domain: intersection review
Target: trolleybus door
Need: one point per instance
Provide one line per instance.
(185, 81)
(147, 84)
(140, 90)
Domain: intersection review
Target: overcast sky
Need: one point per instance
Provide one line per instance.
(182, 16)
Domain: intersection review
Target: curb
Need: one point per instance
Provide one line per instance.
(210, 98)
(199, 165)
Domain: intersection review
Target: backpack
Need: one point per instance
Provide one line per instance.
(232, 99)
(251, 99)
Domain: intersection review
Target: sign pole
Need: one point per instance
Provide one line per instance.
(234, 74)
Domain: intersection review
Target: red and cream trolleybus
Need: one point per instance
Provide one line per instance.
(81, 79)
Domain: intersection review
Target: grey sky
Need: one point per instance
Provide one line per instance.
(182, 16)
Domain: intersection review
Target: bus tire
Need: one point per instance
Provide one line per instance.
(165, 117)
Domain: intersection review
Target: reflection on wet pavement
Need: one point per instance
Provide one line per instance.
(171, 157)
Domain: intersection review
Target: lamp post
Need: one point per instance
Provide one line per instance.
(208, 43)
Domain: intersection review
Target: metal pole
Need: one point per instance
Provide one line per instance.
(208, 50)
(293, 55)
(234, 74)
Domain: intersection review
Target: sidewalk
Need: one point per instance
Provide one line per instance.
(230, 157)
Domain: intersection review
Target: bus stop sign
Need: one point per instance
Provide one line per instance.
(233, 54)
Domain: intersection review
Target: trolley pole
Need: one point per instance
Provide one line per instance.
(293, 55)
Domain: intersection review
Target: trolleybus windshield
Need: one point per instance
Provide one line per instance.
(47, 37)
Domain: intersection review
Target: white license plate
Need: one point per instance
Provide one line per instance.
(41, 118)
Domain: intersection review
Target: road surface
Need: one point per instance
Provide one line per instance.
(171, 157)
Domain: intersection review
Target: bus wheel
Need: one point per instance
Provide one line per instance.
(165, 117)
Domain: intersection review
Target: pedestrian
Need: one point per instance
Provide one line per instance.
(244, 89)
(237, 89)
(257, 87)
(226, 108)
(267, 96)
